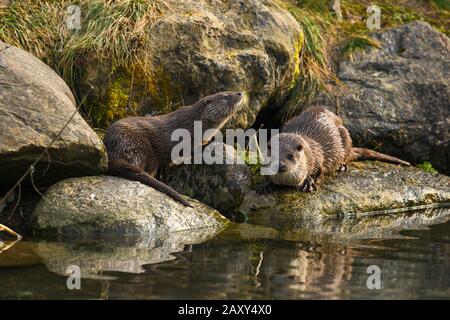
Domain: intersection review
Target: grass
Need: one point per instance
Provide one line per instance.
(313, 71)
(116, 31)
(328, 40)
(442, 4)
(358, 43)
(428, 167)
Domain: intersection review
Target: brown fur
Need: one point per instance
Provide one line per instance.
(138, 146)
(316, 143)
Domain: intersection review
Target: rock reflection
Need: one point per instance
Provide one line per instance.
(241, 262)
(98, 258)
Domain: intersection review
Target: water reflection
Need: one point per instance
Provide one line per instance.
(242, 262)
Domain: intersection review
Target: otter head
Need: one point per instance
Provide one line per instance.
(292, 165)
(215, 110)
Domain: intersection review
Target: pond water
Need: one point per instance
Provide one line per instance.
(240, 262)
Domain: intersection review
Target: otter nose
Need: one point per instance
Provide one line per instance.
(282, 168)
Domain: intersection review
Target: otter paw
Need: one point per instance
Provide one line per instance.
(343, 168)
(308, 186)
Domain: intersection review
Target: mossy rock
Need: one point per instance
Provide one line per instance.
(368, 196)
(195, 49)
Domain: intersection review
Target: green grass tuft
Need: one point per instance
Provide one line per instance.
(114, 31)
(358, 43)
(312, 72)
(428, 167)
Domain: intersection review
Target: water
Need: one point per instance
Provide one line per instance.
(241, 262)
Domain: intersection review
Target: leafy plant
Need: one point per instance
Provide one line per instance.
(428, 167)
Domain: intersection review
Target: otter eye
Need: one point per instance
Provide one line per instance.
(290, 157)
(299, 147)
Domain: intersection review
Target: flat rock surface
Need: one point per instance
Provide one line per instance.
(362, 194)
(116, 207)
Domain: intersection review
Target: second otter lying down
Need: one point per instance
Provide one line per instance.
(316, 143)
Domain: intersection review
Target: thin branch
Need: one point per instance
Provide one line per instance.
(10, 231)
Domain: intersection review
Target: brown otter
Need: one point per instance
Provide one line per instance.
(316, 143)
(138, 146)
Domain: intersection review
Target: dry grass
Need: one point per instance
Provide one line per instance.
(116, 31)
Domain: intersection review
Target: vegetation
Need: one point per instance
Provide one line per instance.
(428, 167)
(118, 32)
(328, 39)
(115, 31)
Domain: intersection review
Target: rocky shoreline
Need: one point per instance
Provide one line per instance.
(387, 86)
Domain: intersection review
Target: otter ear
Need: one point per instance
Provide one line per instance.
(299, 147)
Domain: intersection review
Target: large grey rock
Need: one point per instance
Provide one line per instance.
(35, 104)
(221, 186)
(115, 207)
(370, 196)
(200, 47)
(399, 95)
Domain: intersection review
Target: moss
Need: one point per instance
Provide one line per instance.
(428, 167)
(115, 105)
(358, 44)
(298, 45)
(161, 90)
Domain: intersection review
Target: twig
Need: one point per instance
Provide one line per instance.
(8, 83)
(10, 231)
(33, 184)
(17, 203)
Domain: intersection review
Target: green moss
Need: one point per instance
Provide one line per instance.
(358, 44)
(162, 92)
(428, 167)
(298, 49)
(442, 4)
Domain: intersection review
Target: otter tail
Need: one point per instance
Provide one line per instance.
(367, 154)
(121, 168)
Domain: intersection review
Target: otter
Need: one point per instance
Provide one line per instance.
(316, 143)
(138, 146)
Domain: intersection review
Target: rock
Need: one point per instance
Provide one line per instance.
(200, 47)
(367, 196)
(220, 186)
(399, 95)
(115, 207)
(35, 104)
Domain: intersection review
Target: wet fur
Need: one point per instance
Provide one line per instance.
(316, 143)
(138, 146)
